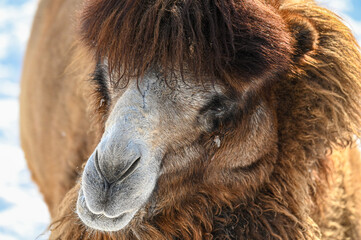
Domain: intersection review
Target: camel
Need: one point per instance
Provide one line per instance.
(161, 119)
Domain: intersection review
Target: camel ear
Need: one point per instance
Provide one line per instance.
(304, 34)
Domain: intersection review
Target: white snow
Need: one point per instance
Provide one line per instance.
(23, 214)
(16, 20)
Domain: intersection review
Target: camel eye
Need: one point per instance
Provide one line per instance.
(217, 105)
(102, 90)
(216, 112)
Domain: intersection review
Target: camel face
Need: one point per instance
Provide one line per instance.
(147, 121)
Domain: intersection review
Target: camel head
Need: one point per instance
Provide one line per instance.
(190, 108)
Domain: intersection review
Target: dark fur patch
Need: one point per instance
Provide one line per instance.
(227, 112)
(99, 79)
(102, 99)
(304, 34)
(219, 111)
(230, 40)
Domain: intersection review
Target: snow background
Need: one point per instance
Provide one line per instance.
(23, 214)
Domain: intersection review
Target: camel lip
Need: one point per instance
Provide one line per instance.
(101, 221)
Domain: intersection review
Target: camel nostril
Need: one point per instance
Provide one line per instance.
(96, 163)
(130, 170)
(113, 172)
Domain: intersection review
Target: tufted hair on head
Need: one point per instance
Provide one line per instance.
(232, 40)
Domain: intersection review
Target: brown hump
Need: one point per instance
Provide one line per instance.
(216, 38)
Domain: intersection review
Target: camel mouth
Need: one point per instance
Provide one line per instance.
(100, 221)
(108, 206)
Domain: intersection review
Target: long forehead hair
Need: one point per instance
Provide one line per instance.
(244, 39)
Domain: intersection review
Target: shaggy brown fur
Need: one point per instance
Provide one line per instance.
(245, 39)
(300, 59)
